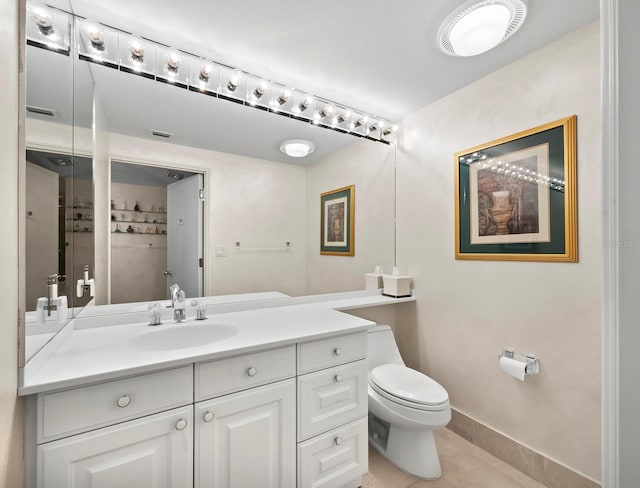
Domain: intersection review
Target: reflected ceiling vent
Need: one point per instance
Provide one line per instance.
(159, 133)
(174, 176)
(47, 112)
(62, 161)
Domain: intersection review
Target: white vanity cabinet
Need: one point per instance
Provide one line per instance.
(248, 438)
(294, 416)
(110, 434)
(332, 412)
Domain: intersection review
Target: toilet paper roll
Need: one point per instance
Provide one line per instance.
(513, 367)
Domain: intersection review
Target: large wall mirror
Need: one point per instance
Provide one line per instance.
(259, 229)
(59, 239)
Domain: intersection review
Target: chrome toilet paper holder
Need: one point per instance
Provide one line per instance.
(533, 363)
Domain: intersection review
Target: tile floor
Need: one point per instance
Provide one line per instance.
(463, 466)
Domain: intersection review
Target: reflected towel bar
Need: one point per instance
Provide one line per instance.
(286, 247)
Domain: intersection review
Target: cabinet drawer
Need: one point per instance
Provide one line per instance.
(331, 352)
(216, 378)
(334, 459)
(331, 397)
(81, 409)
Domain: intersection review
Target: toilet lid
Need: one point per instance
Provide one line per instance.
(408, 384)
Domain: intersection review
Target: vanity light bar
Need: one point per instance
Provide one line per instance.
(48, 28)
(117, 49)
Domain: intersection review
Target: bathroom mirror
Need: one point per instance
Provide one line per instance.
(59, 241)
(261, 207)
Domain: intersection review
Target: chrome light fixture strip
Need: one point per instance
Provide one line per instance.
(126, 52)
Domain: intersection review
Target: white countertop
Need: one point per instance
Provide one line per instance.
(88, 354)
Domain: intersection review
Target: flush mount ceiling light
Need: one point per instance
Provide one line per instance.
(477, 26)
(297, 148)
(62, 161)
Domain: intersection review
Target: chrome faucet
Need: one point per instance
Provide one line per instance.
(173, 291)
(52, 294)
(178, 299)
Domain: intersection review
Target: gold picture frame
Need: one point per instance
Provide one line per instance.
(337, 219)
(515, 197)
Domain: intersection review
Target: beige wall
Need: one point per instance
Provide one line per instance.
(370, 167)
(11, 457)
(467, 311)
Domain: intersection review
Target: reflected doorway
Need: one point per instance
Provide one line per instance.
(59, 237)
(156, 232)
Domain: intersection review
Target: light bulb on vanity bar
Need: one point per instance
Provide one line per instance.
(234, 80)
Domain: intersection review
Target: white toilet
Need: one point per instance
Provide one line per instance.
(405, 407)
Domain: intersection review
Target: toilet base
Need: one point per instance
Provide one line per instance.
(412, 450)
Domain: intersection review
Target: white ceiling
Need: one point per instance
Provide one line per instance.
(379, 56)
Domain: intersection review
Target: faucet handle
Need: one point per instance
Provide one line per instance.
(181, 297)
(155, 314)
(201, 309)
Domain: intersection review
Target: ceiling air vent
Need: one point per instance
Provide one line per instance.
(41, 111)
(62, 161)
(159, 133)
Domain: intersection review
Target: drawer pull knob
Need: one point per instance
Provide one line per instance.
(338, 440)
(252, 371)
(208, 416)
(123, 401)
(181, 424)
(337, 351)
(338, 378)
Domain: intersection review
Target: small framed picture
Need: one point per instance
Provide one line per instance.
(337, 217)
(516, 196)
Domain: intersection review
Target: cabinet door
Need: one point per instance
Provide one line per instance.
(248, 439)
(151, 452)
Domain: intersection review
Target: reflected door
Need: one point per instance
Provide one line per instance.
(184, 234)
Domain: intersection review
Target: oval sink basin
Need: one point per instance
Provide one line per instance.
(181, 336)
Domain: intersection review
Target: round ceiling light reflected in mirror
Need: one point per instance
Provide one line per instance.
(297, 148)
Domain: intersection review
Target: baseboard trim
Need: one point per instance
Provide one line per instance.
(542, 469)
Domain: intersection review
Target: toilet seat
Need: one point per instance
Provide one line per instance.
(408, 387)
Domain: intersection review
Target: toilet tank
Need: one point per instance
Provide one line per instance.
(382, 347)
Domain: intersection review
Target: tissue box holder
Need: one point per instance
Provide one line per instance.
(396, 286)
(372, 281)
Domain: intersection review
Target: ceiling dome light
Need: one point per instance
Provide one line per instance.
(297, 148)
(477, 26)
